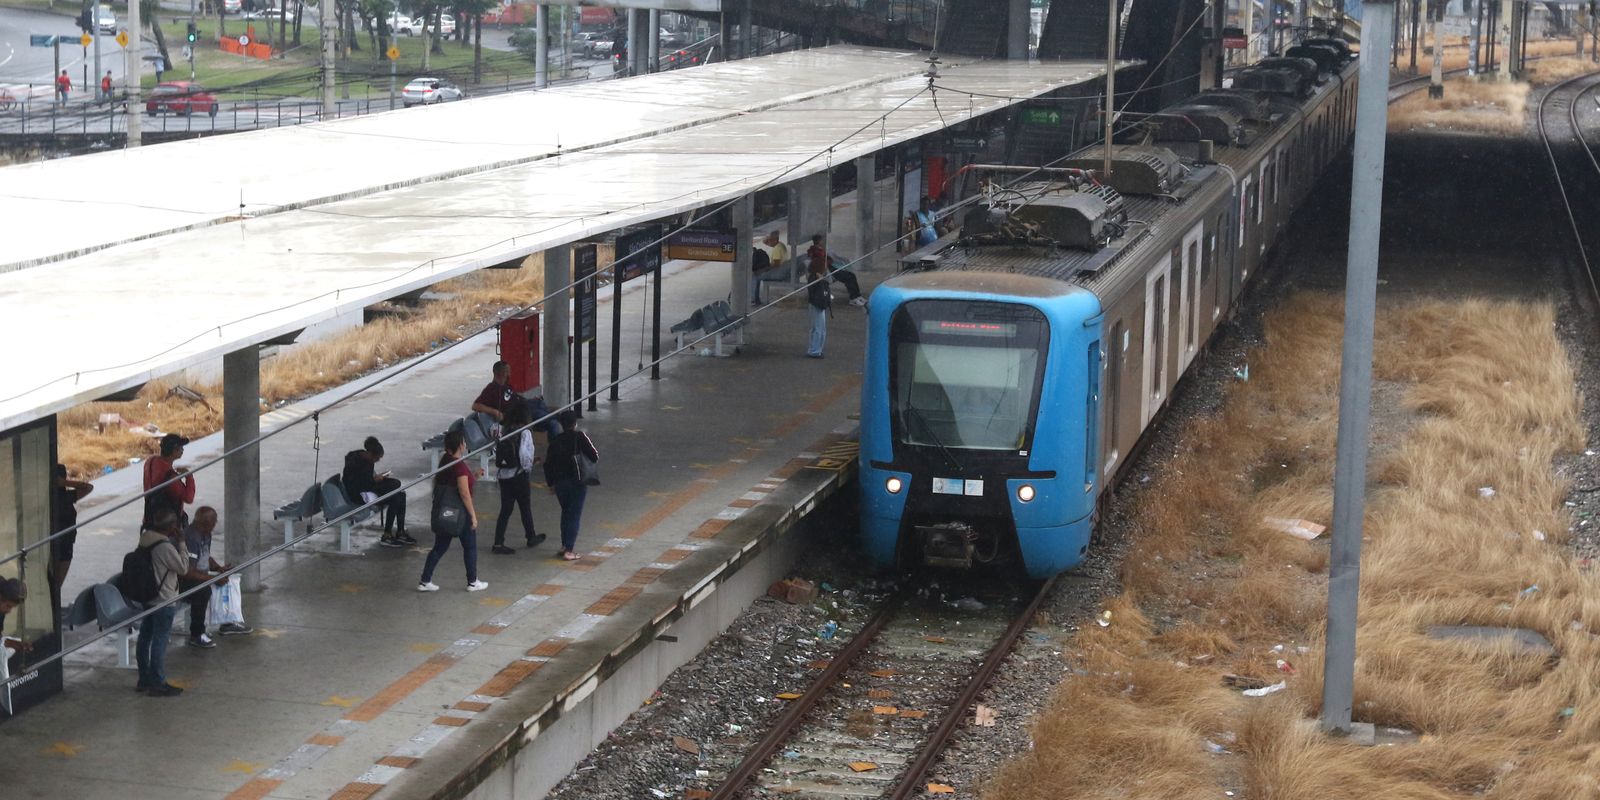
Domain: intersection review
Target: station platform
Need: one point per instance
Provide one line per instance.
(355, 684)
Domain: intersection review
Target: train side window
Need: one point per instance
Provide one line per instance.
(1091, 446)
(1158, 339)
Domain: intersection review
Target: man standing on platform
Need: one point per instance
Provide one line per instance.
(159, 470)
(818, 297)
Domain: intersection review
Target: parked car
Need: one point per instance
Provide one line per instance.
(404, 25)
(232, 6)
(104, 20)
(181, 97)
(602, 48)
(447, 24)
(427, 91)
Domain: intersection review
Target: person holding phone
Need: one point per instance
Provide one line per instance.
(363, 484)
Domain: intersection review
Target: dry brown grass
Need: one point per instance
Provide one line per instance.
(302, 370)
(1485, 400)
(1551, 70)
(1481, 105)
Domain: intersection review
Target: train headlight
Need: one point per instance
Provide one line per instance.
(894, 485)
(1025, 492)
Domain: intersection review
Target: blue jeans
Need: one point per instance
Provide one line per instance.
(570, 495)
(469, 554)
(151, 650)
(819, 329)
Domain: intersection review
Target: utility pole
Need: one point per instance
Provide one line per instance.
(1477, 38)
(132, 61)
(1111, 78)
(328, 30)
(1355, 376)
(541, 45)
(94, 30)
(1436, 85)
(654, 53)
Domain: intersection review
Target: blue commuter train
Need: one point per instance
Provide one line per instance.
(1009, 378)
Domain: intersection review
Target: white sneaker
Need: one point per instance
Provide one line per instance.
(477, 586)
(859, 301)
(427, 587)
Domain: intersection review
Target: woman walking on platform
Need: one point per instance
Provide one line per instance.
(570, 478)
(454, 515)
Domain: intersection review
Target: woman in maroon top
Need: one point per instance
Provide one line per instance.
(457, 472)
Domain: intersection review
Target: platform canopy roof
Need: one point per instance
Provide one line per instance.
(427, 195)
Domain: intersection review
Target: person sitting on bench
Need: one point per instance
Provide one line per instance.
(362, 485)
(497, 397)
(767, 262)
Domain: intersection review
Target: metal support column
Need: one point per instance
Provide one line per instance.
(241, 489)
(866, 211)
(555, 326)
(638, 41)
(794, 210)
(654, 53)
(746, 30)
(1355, 377)
(541, 47)
(744, 231)
(1017, 18)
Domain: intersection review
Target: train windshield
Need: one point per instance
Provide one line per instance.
(966, 375)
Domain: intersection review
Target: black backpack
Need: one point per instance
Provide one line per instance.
(138, 580)
(505, 452)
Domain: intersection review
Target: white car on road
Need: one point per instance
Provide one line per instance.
(427, 91)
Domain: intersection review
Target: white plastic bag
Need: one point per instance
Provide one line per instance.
(226, 606)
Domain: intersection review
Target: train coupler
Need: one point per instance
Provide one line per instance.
(949, 544)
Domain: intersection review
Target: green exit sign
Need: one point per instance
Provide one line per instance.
(1043, 116)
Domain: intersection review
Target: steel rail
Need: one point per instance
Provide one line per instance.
(1555, 166)
(792, 716)
(909, 784)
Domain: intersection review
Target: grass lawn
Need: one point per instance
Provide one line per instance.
(297, 72)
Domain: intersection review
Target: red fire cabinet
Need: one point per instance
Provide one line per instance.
(519, 347)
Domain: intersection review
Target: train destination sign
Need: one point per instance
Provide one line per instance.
(639, 253)
(585, 258)
(700, 244)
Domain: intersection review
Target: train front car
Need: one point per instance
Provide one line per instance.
(978, 423)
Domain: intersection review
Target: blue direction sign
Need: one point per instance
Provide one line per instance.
(42, 40)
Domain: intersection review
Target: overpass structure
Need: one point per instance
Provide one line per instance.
(192, 257)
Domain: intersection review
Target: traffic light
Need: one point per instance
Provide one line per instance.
(193, 34)
(85, 23)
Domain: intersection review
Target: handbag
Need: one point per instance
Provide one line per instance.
(449, 517)
(588, 470)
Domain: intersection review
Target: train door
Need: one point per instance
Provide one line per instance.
(1280, 209)
(1242, 247)
(1154, 383)
(1263, 192)
(1116, 357)
(1189, 321)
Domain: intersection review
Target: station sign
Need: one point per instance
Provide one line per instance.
(1043, 116)
(585, 259)
(700, 244)
(1234, 38)
(42, 40)
(638, 253)
(969, 142)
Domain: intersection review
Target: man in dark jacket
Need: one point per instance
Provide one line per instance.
(362, 485)
(818, 299)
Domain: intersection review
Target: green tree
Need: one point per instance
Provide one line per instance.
(148, 10)
(472, 11)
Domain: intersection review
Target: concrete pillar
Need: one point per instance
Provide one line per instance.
(241, 491)
(1249, 23)
(795, 208)
(554, 327)
(638, 40)
(1018, 21)
(744, 231)
(655, 41)
(541, 48)
(818, 205)
(866, 211)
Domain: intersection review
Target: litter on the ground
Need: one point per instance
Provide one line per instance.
(1568, 711)
(1538, 536)
(984, 716)
(789, 696)
(1266, 690)
(1284, 666)
(863, 766)
(941, 788)
(934, 639)
(1104, 620)
(686, 744)
(1242, 373)
(1486, 491)
(1530, 591)
(1242, 682)
(1298, 528)
(828, 630)
(885, 710)
(970, 604)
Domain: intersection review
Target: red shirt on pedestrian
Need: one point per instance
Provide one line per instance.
(64, 83)
(159, 469)
(105, 84)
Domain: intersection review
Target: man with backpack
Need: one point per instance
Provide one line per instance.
(150, 576)
(819, 300)
(513, 461)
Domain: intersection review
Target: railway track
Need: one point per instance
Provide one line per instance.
(1560, 105)
(878, 716)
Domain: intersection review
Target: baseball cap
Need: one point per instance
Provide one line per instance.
(172, 440)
